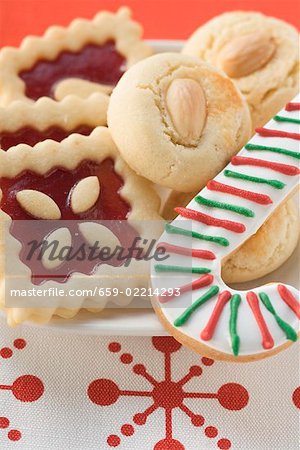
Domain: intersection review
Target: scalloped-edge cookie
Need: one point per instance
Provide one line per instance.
(97, 50)
(82, 178)
(30, 123)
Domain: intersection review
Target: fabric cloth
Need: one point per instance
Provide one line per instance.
(67, 391)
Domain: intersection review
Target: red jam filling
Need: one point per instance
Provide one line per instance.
(31, 136)
(58, 185)
(98, 63)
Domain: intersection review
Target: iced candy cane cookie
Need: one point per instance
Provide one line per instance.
(193, 302)
(259, 53)
(72, 194)
(96, 51)
(268, 249)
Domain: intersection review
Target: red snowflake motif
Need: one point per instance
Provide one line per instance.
(166, 394)
(26, 388)
(296, 397)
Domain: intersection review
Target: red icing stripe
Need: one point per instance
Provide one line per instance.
(236, 227)
(202, 254)
(267, 340)
(289, 299)
(278, 167)
(208, 332)
(292, 106)
(277, 133)
(251, 196)
(206, 280)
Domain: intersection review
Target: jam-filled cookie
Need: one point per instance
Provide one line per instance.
(64, 190)
(177, 120)
(96, 51)
(23, 123)
(192, 300)
(259, 53)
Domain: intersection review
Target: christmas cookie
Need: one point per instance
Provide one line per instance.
(193, 302)
(83, 180)
(259, 53)
(23, 123)
(264, 252)
(267, 250)
(98, 51)
(177, 120)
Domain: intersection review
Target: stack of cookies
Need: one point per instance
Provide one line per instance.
(94, 127)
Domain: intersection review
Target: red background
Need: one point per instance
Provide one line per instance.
(174, 19)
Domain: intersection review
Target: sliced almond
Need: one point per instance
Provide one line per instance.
(38, 205)
(186, 105)
(95, 232)
(55, 254)
(246, 54)
(85, 194)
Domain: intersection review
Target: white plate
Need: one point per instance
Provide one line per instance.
(143, 322)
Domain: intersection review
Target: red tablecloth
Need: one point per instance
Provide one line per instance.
(64, 391)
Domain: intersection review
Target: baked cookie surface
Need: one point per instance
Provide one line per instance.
(267, 250)
(31, 123)
(177, 120)
(260, 54)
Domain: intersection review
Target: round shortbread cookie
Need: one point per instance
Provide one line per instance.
(267, 250)
(177, 121)
(260, 54)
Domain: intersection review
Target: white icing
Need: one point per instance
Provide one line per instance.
(247, 327)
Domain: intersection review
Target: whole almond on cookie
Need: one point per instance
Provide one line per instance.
(186, 105)
(246, 54)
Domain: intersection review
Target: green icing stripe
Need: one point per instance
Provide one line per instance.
(288, 330)
(199, 302)
(177, 230)
(282, 151)
(235, 339)
(214, 204)
(166, 268)
(286, 119)
(274, 183)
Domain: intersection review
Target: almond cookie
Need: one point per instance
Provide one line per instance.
(63, 190)
(177, 120)
(259, 53)
(97, 51)
(267, 250)
(30, 123)
(192, 300)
